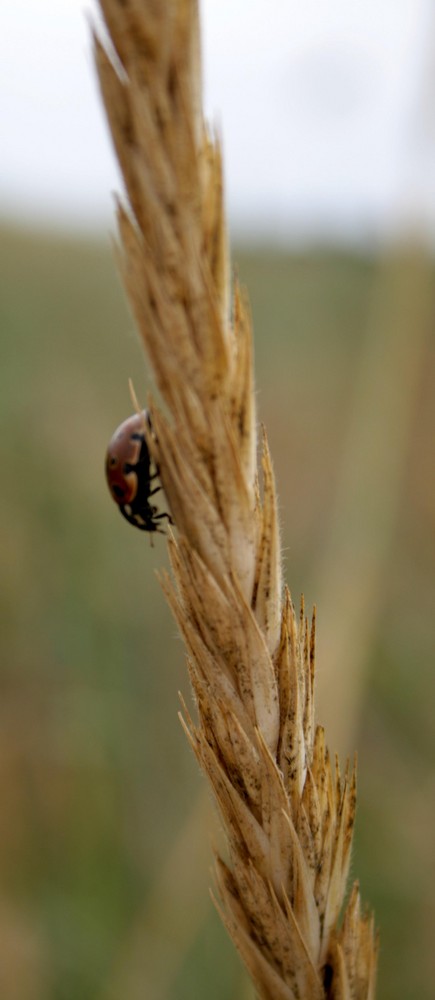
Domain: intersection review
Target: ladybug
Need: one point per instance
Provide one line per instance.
(129, 476)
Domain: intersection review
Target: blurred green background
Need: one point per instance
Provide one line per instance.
(106, 830)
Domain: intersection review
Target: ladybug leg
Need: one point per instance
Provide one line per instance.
(156, 490)
(154, 530)
(158, 517)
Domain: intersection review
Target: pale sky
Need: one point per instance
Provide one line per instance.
(325, 108)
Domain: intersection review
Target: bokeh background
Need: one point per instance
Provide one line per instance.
(106, 831)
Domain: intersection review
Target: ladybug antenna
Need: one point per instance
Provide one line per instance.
(134, 399)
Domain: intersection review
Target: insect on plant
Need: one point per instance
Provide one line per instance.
(130, 475)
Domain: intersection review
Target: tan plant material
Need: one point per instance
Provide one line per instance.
(287, 811)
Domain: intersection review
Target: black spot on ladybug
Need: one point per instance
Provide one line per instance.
(130, 474)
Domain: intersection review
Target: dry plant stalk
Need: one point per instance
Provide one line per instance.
(287, 811)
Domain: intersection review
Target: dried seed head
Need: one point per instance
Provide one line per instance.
(287, 813)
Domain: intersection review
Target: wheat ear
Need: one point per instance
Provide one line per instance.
(287, 811)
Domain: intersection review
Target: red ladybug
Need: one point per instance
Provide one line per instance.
(129, 476)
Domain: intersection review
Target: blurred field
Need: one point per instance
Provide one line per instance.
(105, 840)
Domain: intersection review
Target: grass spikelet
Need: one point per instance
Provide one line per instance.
(287, 811)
